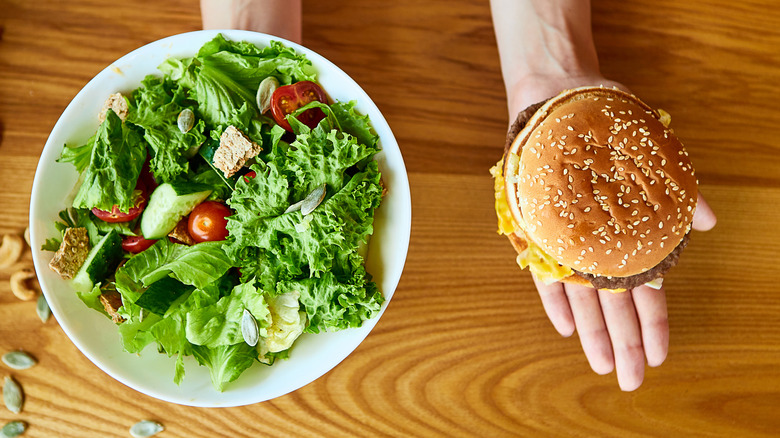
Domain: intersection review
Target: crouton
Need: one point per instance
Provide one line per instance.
(112, 301)
(72, 253)
(234, 151)
(117, 103)
(181, 233)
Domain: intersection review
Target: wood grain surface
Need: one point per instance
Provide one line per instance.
(464, 348)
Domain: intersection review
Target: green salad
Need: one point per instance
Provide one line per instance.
(223, 208)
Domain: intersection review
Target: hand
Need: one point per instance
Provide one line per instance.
(546, 47)
(617, 330)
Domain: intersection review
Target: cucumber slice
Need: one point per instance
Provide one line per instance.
(101, 262)
(207, 151)
(168, 204)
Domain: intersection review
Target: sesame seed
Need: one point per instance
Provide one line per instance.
(660, 225)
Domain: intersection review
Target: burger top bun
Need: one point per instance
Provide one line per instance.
(601, 184)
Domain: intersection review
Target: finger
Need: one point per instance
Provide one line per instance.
(556, 305)
(588, 319)
(703, 217)
(623, 327)
(651, 310)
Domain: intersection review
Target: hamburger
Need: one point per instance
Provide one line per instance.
(595, 189)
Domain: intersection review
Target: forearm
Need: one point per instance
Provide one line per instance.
(542, 40)
(280, 18)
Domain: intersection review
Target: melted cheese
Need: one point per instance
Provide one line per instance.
(544, 267)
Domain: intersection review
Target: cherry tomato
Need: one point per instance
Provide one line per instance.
(136, 244)
(208, 222)
(288, 98)
(115, 215)
(249, 175)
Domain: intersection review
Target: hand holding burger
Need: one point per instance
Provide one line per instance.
(545, 48)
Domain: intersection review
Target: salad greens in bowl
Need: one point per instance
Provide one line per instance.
(219, 218)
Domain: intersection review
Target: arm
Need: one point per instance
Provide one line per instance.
(280, 18)
(546, 47)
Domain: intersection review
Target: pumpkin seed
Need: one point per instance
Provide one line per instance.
(264, 93)
(42, 308)
(294, 207)
(313, 200)
(13, 395)
(13, 429)
(146, 428)
(186, 120)
(19, 360)
(249, 329)
(73, 216)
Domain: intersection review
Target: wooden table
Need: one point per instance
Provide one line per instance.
(464, 348)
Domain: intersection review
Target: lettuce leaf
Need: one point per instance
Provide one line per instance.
(249, 64)
(79, 156)
(340, 116)
(292, 245)
(356, 124)
(155, 107)
(220, 324)
(226, 74)
(196, 265)
(333, 305)
(115, 163)
(225, 363)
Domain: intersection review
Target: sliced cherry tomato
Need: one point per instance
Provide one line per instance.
(136, 244)
(208, 222)
(288, 98)
(140, 194)
(249, 175)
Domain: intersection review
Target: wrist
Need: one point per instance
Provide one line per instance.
(534, 88)
(541, 44)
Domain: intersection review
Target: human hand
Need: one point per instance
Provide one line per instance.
(617, 330)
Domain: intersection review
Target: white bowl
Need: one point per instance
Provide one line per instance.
(150, 372)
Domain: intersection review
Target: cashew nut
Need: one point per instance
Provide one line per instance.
(19, 285)
(10, 250)
(27, 236)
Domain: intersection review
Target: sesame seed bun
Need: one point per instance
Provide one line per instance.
(600, 183)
